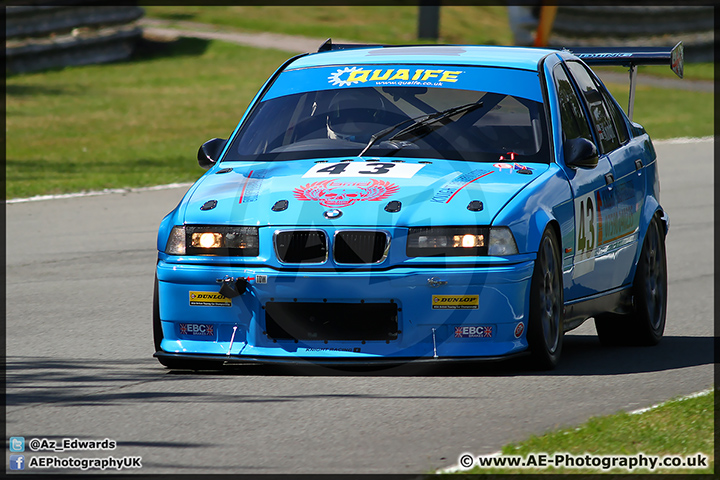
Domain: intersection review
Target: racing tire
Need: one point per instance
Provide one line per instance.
(545, 323)
(646, 324)
(158, 336)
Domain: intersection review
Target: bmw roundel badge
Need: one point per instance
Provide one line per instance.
(334, 213)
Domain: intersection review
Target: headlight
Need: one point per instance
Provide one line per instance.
(501, 242)
(460, 241)
(213, 240)
(176, 241)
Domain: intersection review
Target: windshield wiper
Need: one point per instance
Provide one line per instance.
(420, 121)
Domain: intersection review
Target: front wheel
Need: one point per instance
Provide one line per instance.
(645, 326)
(545, 325)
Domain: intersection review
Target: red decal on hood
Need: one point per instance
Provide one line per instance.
(337, 193)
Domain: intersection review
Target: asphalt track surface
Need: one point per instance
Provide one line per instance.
(79, 357)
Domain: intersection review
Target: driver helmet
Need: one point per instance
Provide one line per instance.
(355, 114)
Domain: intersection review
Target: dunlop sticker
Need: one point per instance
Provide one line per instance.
(459, 302)
(209, 299)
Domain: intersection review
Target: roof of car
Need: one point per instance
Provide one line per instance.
(494, 56)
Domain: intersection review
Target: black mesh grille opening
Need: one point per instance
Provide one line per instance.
(331, 321)
(360, 247)
(301, 246)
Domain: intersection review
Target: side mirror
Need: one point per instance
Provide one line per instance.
(210, 151)
(580, 152)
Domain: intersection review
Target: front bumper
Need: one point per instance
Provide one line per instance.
(449, 313)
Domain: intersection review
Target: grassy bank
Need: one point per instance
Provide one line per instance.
(133, 123)
(373, 24)
(678, 428)
(140, 122)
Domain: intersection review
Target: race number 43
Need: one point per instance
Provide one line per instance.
(363, 169)
(586, 226)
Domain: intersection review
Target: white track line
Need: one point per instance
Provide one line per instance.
(682, 140)
(109, 191)
(686, 397)
(94, 193)
(457, 468)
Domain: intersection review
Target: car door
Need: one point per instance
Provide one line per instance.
(592, 188)
(618, 236)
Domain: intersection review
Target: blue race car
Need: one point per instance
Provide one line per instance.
(386, 204)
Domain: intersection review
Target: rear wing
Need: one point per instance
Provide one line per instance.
(632, 57)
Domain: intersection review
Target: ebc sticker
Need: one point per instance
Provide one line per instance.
(338, 193)
(450, 189)
(199, 329)
(473, 331)
(363, 169)
(455, 302)
(209, 299)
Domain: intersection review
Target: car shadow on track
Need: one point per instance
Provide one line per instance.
(33, 380)
(582, 355)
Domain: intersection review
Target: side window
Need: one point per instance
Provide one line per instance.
(617, 117)
(603, 124)
(572, 115)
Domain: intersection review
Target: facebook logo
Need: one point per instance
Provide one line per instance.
(17, 462)
(17, 444)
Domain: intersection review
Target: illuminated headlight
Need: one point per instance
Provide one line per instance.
(213, 240)
(460, 241)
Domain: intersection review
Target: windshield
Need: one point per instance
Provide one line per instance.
(346, 119)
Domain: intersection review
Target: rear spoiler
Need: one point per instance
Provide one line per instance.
(632, 57)
(328, 45)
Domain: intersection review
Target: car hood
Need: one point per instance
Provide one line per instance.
(357, 193)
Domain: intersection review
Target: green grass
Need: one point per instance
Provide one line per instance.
(140, 122)
(127, 124)
(459, 24)
(680, 427)
(668, 113)
(372, 24)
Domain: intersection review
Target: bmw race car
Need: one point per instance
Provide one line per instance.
(384, 204)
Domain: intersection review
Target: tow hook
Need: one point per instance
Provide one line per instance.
(232, 287)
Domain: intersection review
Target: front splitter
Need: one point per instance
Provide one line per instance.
(230, 360)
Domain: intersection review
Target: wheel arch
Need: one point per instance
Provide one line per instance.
(652, 210)
(541, 221)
